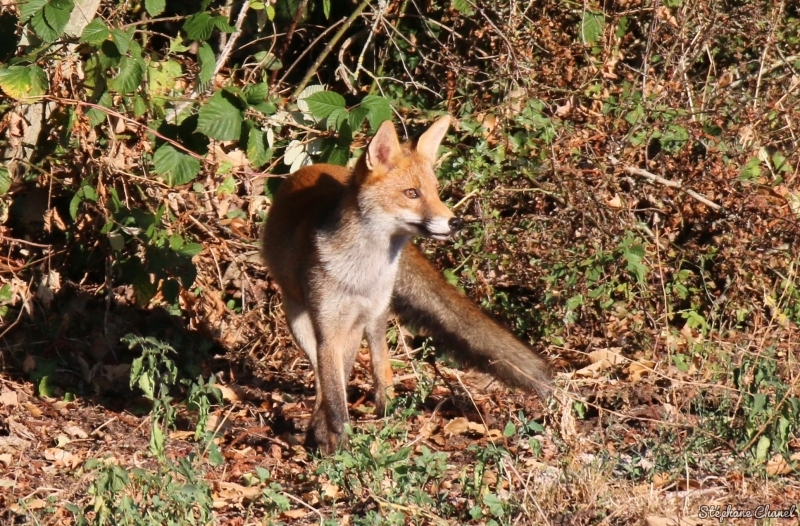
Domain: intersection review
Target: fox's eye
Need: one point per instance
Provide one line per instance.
(411, 193)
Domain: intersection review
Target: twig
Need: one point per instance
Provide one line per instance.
(221, 60)
(764, 55)
(22, 308)
(280, 52)
(305, 51)
(305, 505)
(325, 52)
(775, 65)
(653, 178)
(119, 115)
(22, 241)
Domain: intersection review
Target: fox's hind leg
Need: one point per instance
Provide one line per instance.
(302, 329)
(379, 357)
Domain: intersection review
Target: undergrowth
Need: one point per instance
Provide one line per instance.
(628, 176)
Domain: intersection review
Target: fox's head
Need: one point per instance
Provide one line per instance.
(397, 186)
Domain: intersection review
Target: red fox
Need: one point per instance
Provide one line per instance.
(337, 245)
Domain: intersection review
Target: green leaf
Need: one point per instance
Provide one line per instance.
(681, 361)
(752, 170)
(379, 110)
(174, 166)
(574, 302)
(122, 40)
(5, 292)
(30, 8)
(781, 163)
(50, 22)
(450, 276)
(339, 156)
(139, 105)
(257, 153)
(190, 249)
(215, 458)
(495, 505)
(21, 82)
(95, 115)
(220, 118)
(90, 193)
(116, 240)
(5, 180)
(255, 94)
(762, 449)
(510, 430)
(269, 61)
(463, 7)
(75, 203)
(227, 187)
(592, 27)
(170, 289)
(130, 76)
(205, 57)
(46, 387)
(155, 7)
(323, 103)
(221, 23)
(42, 29)
(336, 119)
(95, 32)
(357, 116)
(199, 26)
(57, 13)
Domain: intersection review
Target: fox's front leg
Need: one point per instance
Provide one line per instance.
(379, 358)
(330, 409)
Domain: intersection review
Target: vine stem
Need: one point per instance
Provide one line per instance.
(325, 52)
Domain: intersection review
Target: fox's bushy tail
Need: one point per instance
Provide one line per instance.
(425, 300)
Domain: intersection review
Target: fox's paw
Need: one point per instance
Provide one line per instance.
(382, 397)
(322, 435)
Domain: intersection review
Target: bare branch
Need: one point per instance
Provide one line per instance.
(653, 178)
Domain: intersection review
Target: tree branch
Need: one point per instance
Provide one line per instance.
(653, 178)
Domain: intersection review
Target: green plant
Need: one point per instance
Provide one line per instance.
(173, 495)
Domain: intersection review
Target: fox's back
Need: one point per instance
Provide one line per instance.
(301, 203)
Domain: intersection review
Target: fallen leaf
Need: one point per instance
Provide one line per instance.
(181, 435)
(228, 393)
(296, 513)
(461, 425)
(612, 355)
(229, 493)
(330, 491)
(592, 369)
(615, 202)
(9, 398)
(32, 409)
(637, 370)
(60, 457)
(777, 465)
(75, 431)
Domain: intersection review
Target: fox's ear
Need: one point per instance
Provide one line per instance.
(428, 143)
(384, 147)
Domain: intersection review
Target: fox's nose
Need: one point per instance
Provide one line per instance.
(455, 223)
